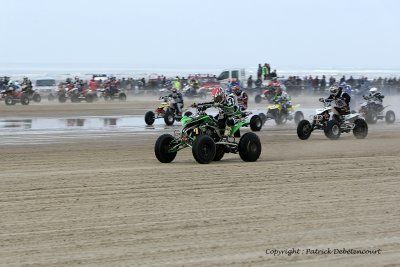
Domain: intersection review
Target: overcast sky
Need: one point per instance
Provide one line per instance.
(285, 33)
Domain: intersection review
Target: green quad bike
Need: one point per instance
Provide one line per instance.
(201, 132)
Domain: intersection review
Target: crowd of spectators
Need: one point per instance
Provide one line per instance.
(317, 85)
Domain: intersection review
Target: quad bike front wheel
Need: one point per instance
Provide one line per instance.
(257, 98)
(372, 117)
(304, 129)
(249, 147)
(204, 149)
(360, 130)
(24, 100)
(169, 117)
(332, 130)
(256, 123)
(161, 148)
(149, 117)
(390, 117)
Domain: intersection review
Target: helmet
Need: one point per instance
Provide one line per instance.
(373, 90)
(174, 90)
(237, 89)
(218, 95)
(334, 90)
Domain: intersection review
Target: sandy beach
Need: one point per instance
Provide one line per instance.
(90, 199)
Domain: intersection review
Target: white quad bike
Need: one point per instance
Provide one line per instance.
(333, 125)
(373, 111)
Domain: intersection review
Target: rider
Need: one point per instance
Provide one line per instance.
(16, 87)
(337, 93)
(194, 86)
(227, 105)
(27, 84)
(375, 99)
(177, 96)
(281, 97)
(242, 97)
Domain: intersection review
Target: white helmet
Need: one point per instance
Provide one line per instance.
(334, 90)
(373, 90)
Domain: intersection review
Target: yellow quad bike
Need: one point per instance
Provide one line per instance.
(275, 112)
(165, 110)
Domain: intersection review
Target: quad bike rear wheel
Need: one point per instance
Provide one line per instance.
(169, 117)
(9, 101)
(161, 148)
(204, 149)
(249, 147)
(280, 119)
(263, 117)
(332, 130)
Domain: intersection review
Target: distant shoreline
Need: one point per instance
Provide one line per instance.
(56, 71)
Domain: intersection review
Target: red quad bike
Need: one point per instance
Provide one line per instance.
(10, 97)
(268, 94)
(75, 96)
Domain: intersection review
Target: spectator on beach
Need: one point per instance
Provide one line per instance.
(265, 73)
(269, 71)
(259, 72)
(93, 84)
(332, 81)
(250, 82)
(323, 83)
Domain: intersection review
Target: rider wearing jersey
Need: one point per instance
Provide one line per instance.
(177, 96)
(337, 93)
(242, 97)
(375, 99)
(281, 97)
(227, 106)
